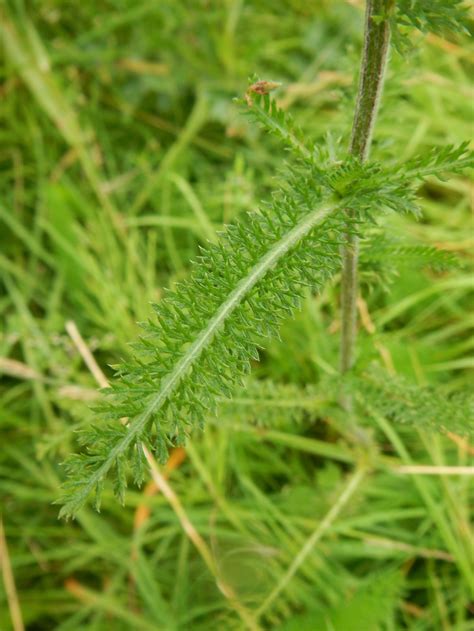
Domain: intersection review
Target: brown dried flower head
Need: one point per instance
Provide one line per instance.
(260, 87)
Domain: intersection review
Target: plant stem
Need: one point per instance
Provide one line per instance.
(374, 61)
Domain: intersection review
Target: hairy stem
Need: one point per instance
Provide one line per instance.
(374, 61)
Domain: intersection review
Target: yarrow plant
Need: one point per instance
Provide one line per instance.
(200, 343)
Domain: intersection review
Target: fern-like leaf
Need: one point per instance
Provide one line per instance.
(264, 111)
(206, 333)
(270, 405)
(402, 401)
(208, 330)
(381, 259)
(439, 161)
(436, 16)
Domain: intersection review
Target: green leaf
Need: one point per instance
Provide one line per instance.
(402, 401)
(206, 332)
(436, 16)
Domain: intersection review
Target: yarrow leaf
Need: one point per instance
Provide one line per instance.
(264, 111)
(273, 405)
(436, 16)
(208, 330)
(402, 401)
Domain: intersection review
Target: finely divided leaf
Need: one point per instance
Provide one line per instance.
(206, 332)
(437, 16)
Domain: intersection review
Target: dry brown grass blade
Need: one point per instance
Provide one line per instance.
(86, 354)
(9, 582)
(142, 512)
(19, 370)
(200, 545)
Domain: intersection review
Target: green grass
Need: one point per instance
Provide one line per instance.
(121, 152)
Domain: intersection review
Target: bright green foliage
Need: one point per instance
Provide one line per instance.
(267, 404)
(394, 253)
(208, 330)
(439, 161)
(265, 112)
(382, 258)
(255, 495)
(402, 401)
(368, 607)
(437, 16)
(395, 397)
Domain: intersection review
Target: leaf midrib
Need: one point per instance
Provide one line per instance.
(279, 249)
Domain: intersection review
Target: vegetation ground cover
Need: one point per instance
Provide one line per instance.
(122, 152)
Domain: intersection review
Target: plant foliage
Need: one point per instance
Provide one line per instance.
(402, 401)
(207, 331)
(370, 605)
(437, 16)
(268, 404)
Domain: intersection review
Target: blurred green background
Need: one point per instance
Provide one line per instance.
(121, 151)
